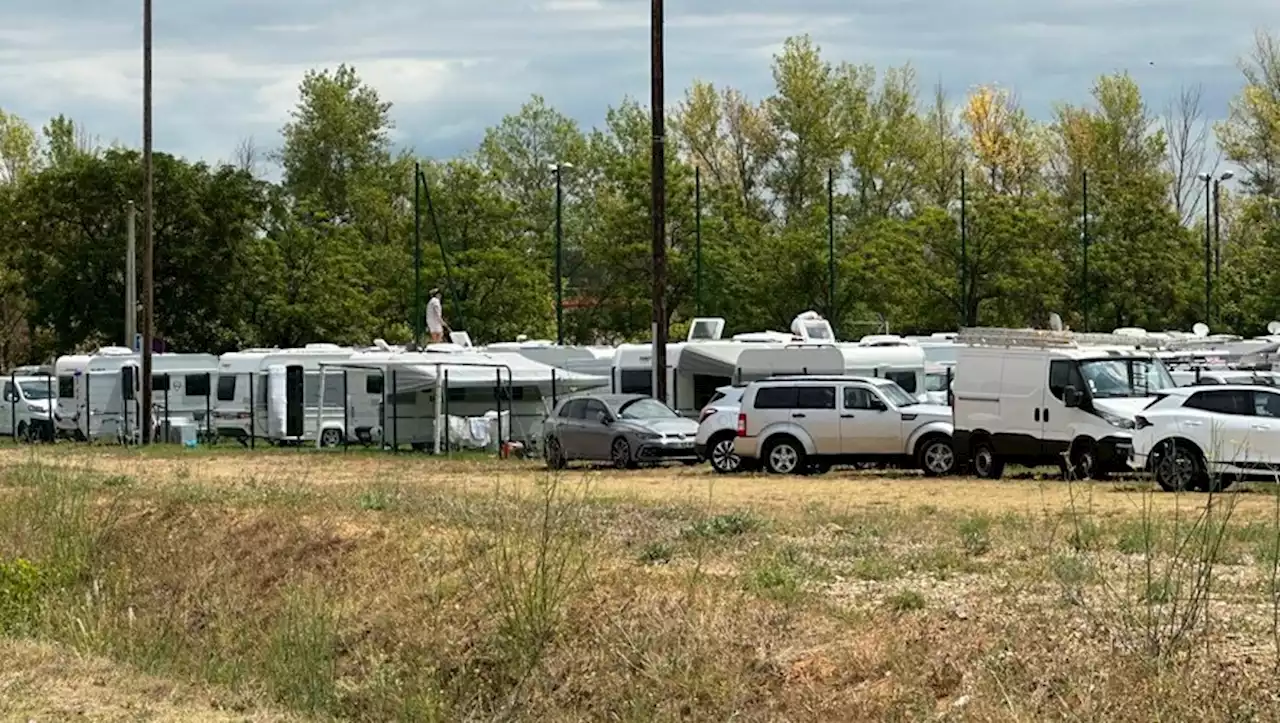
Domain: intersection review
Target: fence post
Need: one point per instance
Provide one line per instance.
(13, 404)
(497, 395)
(253, 413)
(208, 408)
(167, 382)
(88, 405)
(346, 416)
(447, 426)
(127, 399)
(554, 400)
(53, 401)
(395, 416)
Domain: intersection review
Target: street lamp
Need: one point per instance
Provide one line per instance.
(557, 169)
(1212, 249)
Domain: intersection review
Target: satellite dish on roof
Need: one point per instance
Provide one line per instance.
(1201, 329)
(1055, 321)
(1273, 327)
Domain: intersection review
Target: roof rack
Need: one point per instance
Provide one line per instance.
(992, 336)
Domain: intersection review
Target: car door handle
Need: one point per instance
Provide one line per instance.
(1191, 423)
(846, 416)
(797, 416)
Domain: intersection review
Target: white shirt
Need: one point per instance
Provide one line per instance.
(435, 315)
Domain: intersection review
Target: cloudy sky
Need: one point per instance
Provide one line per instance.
(226, 70)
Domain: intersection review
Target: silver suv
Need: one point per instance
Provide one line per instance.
(795, 425)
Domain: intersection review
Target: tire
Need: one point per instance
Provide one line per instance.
(1084, 461)
(721, 455)
(1179, 467)
(554, 455)
(23, 433)
(785, 456)
(620, 454)
(986, 463)
(936, 457)
(330, 437)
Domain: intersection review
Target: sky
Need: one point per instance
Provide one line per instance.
(228, 70)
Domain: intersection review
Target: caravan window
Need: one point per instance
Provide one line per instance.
(196, 385)
(509, 394)
(636, 381)
(333, 385)
(373, 384)
(906, 380)
(160, 382)
(66, 387)
(9, 395)
(226, 388)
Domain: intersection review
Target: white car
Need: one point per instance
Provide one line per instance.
(1206, 437)
(717, 428)
(797, 425)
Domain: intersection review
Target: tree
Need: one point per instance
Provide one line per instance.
(18, 149)
(1250, 136)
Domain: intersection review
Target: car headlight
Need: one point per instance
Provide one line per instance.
(1116, 420)
(649, 435)
(33, 409)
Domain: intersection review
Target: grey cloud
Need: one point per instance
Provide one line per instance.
(229, 69)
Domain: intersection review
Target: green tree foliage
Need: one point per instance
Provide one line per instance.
(327, 253)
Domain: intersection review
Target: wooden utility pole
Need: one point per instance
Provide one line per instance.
(148, 228)
(659, 212)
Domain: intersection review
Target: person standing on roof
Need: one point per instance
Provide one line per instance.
(435, 318)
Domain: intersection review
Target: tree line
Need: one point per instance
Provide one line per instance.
(943, 212)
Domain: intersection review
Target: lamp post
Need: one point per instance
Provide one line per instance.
(418, 318)
(831, 247)
(658, 201)
(1217, 235)
(557, 169)
(697, 235)
(1212, 257)
(964, 255)
(1084, 242)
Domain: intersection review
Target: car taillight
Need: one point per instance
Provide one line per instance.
(1141, 422)
(742, 425)
(706, 413)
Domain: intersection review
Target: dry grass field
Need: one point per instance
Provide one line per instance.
(271, 586)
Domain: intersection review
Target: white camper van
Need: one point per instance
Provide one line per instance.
(26, 411)
(1030, 397)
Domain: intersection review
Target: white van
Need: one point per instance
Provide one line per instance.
(26, 411)
(1030, 397)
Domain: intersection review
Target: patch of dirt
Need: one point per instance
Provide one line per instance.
(42, 682)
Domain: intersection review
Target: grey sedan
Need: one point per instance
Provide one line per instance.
(623, 429)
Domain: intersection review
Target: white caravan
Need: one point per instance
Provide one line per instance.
(274, 394)
(903, 364)
(1030, 397)
(415, 390)
(97, 394)
(593, 360)
(27, 408)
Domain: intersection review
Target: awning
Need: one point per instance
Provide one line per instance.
(414, 374)
(714, 360)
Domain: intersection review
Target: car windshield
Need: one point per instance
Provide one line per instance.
(36, 390)
(896, 395)
(935, 382)
(646, 409)
(1111, 378)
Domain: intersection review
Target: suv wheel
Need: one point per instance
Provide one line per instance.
(936, 457)
(986, 464)
(721, 455)
(785, 456)
(1179, 467)
(554, 455)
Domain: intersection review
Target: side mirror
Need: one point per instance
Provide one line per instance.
(878, 404)
(604, 418)
(1071, 397)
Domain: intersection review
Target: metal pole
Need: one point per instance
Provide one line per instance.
(658, 180)
(417, 257)
(13, 405)
(1084, 266)
(1208, 255)
(395, 416)
(208, 408)
(1217, 237)
(130, 275)
(346, 416)
(445, 392)
(148, 220)
(253, 414)
(697, 235)
(559, 262)
(167, 422)
(964, 255)
(831, 248)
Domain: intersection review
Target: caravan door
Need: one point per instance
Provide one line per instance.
(294, 385)
(276, 401)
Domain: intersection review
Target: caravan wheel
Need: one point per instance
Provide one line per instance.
(331, 437)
